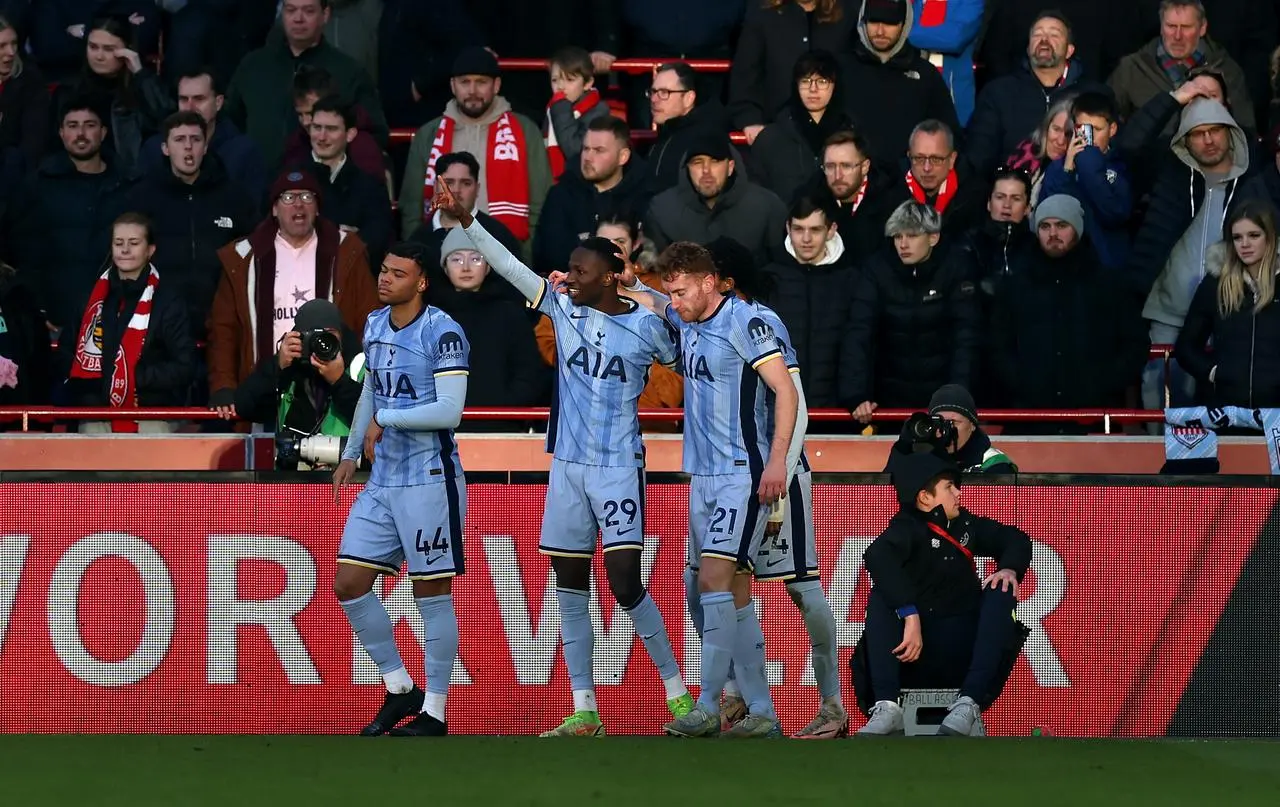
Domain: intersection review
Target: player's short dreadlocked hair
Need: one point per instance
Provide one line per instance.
(685, 258)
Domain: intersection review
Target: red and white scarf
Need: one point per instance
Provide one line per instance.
(124, 367)
(946, 191)
(584, 105)
(503, 172)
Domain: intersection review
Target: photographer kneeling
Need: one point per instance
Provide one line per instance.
(305, 389)
(930, 622)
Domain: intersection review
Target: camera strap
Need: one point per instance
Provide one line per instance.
(963, 549)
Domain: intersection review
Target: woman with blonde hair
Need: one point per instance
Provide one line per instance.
(24, 99)
(1234, 310)
(1047, 143)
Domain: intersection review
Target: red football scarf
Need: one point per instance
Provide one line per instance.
(588, 100)
(946, 192)
(502, 171)
(124, 375)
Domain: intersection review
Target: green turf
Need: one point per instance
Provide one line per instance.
(655, 772)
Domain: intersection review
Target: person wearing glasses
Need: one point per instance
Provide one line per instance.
(680, 118)
(786, 154)
(939, 178)
(506, 368)
(290, 258)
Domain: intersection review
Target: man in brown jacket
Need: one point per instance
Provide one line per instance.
(290, 258)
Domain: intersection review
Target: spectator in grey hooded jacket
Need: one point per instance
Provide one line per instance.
(1184, 219)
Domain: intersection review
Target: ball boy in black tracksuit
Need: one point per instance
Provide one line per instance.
(931, 622)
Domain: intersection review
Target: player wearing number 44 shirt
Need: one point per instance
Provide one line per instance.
(605, 346)
(740, 460)
(413, 507)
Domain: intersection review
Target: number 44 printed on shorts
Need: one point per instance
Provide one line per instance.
(439, 543)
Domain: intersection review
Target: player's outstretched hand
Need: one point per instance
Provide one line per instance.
(371, 438)
(346, 471)
(443, 199)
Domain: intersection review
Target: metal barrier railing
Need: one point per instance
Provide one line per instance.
(1108, 417)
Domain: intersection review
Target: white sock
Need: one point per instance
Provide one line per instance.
(398, 681)
(584, 700)
(675, 687)
(731, 689)
(433, 705)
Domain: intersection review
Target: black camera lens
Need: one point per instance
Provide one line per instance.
(324, 345)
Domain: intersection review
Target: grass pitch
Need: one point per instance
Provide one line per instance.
(243, 771)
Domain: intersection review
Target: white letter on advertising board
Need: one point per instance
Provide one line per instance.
(532, 655)
(1051, 586)
(13, 558)
(227, 612)
(400, 605)
(64, 607)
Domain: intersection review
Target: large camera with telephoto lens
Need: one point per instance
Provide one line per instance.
(293, 448)
(926, 432)
(324, 345)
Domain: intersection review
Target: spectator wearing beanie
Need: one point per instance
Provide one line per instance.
(1061, 337)
(293, 256)
(972, 449)
(506, 369)
(712, 202)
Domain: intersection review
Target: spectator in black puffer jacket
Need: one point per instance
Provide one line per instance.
(195, 209)
(914, 323)
(1234, 309)
(863, 195)
(811, 291)
(1060, 335)
(788, 152)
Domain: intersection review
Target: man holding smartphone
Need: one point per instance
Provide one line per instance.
(1095, 175)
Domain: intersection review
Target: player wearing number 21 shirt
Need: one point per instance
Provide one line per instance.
(605, 345)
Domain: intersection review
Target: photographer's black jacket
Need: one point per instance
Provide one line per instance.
(911, 565)
(258, 398)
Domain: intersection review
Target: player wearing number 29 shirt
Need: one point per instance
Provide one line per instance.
(605, 345)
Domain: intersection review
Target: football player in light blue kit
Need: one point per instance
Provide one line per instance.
(414, 505)
(605, 346)
(739, 460)
(790, 554)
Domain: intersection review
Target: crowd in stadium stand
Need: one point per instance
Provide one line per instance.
(1020, 196)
